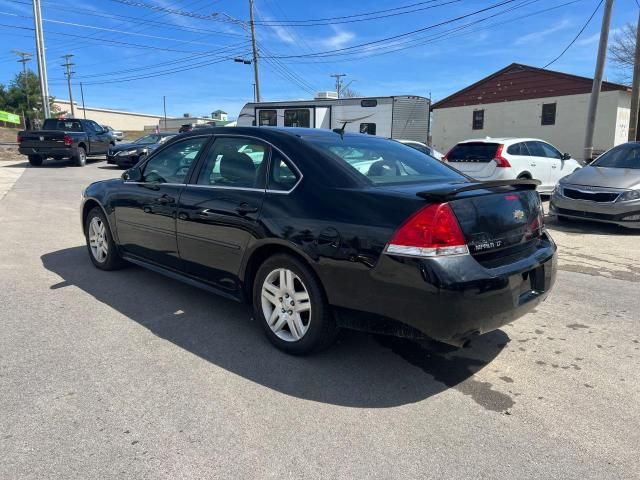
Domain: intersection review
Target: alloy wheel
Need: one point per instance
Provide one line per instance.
(286, 305)
(98, 241)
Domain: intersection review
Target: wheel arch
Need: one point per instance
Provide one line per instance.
(87, 206)
(82, 145)
(260, 253)
(525, 174)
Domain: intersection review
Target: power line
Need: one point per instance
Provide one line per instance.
(584, 27)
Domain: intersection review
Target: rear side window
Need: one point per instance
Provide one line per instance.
(282, 177)
(383, 161)
(235, 162)
(473, 152)
(518, 149)
(535, 149)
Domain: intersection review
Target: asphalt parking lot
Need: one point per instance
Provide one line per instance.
(129, 374)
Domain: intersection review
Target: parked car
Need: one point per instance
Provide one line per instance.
(116, 134)
(505, 158)
(60, 138)
(187, 127)
(607, 190)
(127, 155)
(410, 247)
(424, 148)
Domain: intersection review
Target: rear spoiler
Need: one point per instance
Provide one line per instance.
(446, 193)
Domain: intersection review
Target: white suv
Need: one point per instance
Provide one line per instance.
(508, 158)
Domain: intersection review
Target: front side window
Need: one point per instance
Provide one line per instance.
(282, 177)
(548, 114)
(550, 151)
(535, 149)
(368, 128)
(478, 119)
(623, 156)
(172, 164)
(299, 117)
(235, 162)
(384, 161)
(268, 118)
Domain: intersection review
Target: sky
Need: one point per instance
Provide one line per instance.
(130, 53)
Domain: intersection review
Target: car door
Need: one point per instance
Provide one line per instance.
(219, 210)
(98, 138)
(146, 210)
(539, 164)
(556, 164)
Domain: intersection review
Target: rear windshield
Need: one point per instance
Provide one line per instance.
(64, 125)
(623, 156)
(384, 161)
(470, 152)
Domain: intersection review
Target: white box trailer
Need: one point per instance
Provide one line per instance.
(401, 117)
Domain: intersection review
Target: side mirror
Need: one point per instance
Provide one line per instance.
(565, 156)
(132, 175)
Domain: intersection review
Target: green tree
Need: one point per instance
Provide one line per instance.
(23, 95)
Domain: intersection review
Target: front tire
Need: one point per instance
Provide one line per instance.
(35, 160)
(290, 304)
(102, 249)
(81, 157)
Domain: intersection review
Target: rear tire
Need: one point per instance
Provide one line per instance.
(306, 325)
(81, 157)
(103, 251)
(35, 160)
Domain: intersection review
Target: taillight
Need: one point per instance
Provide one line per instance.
(445, 157)
(19, 139)
(501, 162)
(68, 141)
(431, 232)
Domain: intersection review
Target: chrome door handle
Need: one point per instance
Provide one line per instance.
(245, 208)
(164, 199)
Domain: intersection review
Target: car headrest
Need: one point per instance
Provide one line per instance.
(238, 168)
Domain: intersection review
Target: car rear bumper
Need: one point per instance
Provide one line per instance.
(452, 299)
(617, 213)
(49, 151)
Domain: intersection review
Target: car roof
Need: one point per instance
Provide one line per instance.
(274, 132)
(502, 140)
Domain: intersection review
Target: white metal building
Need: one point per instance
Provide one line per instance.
(524, 101)
(118, 119)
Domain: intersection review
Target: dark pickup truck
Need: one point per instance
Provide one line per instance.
(60, 138)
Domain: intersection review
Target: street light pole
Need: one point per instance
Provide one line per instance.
(256, 73)
(42, 64)
(597, 81)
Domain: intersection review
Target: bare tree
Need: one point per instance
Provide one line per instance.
(349, 92)
(622, 51)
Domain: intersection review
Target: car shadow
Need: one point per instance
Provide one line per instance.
(112, 167)
(581, 227)
(360, 370)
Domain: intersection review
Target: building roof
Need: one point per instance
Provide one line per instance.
(522, 82)
(108, 110)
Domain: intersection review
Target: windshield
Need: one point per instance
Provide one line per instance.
(384, 161)
(623, 156)
(64, 125)
(148, 139)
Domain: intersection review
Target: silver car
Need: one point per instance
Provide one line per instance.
(608, 190)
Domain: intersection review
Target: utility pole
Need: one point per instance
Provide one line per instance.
(164, 105)
(42, 64)
(68, 74)
(634, 118)
(597, 80)
(84, 110)
(24, 58)
(338, 77)
(256, 74)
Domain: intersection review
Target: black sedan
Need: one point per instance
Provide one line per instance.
(319, 229)
(126, 155)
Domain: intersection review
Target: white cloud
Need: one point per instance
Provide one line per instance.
(539, 35)
(595, 38)
(338, 40)
(283, 34)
